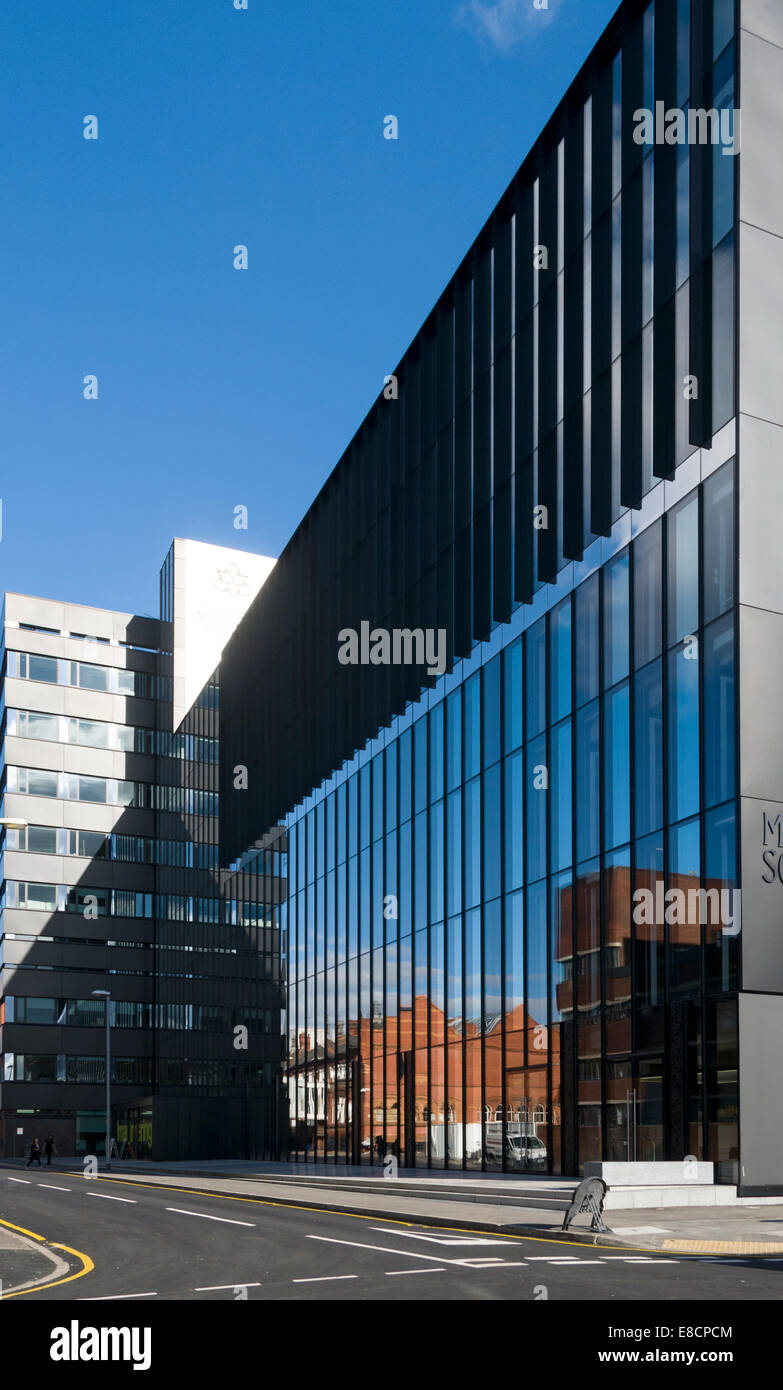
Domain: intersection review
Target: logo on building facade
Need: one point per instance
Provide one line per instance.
(772, 848)
(231, 580)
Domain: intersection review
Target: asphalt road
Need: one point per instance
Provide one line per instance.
(152, 1243)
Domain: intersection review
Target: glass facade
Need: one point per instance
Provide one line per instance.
(493, 925)
(503, 947)
(471, 983)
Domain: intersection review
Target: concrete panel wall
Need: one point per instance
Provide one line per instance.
(763, 17)
(761, 300)
(761, 1093)
(760, 595)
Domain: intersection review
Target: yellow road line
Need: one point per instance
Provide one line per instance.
(87, 1264)
(23, 1230)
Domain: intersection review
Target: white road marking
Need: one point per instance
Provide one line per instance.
(240, 1284)
(106, 1198)
(560, 1258)
(477, 1262)
(392, 1273)
(385, 1249)
(334, 1278)
(437, 1240)
(108, 1297)
(225, 1219)
(481, 1262)
(511, 1264)
(25, 1180)
(630, 1259)
(51, 1187)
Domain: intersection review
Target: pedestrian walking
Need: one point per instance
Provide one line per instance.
(50, 1149)
(35, 1154)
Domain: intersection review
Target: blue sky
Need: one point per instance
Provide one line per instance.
(217, 127)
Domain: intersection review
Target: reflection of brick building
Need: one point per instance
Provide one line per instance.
(328, 1101)
(582, 962)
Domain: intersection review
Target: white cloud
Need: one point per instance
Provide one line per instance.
(504, 22)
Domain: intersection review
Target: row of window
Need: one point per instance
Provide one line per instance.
(264, 947)
(111, 791)
(115, 680)
(124, 902)
(211, 1072)
(97, 733)
(125, 1013)
(71, 786)
(45, 1067)
(92, 902)
(272, 967)
(121, 849)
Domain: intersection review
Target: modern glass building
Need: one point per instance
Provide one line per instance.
(110, 881)
(498, 756)
(513, 934)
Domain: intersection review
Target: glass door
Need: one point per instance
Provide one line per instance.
(620, 1111)
(649, 1087)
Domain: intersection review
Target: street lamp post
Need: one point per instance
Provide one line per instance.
(106, 994)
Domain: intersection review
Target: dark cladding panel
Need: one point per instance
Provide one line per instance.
(482, 328)
(501, 408)
(502, 283)
(547, 497)
(601, 346)
(501, 553)
(482, 479)
(573, 334)
(601, 453)
(501, 500)
(462, 593)
(523, 394)
(463, 462)
(700, 285)
(446, 554)
(412, 451)
(573, 482)
(547, 293)
(482, 444)
(665, 385)
(523, 530)
(482, 574)
(523, 340)
(463, 441)
(632, 264)
(429, 388)
(445, 350)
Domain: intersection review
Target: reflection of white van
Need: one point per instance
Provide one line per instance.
(525, 1150)
(521, 1150)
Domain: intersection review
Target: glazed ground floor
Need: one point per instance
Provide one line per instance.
(531, 1099)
